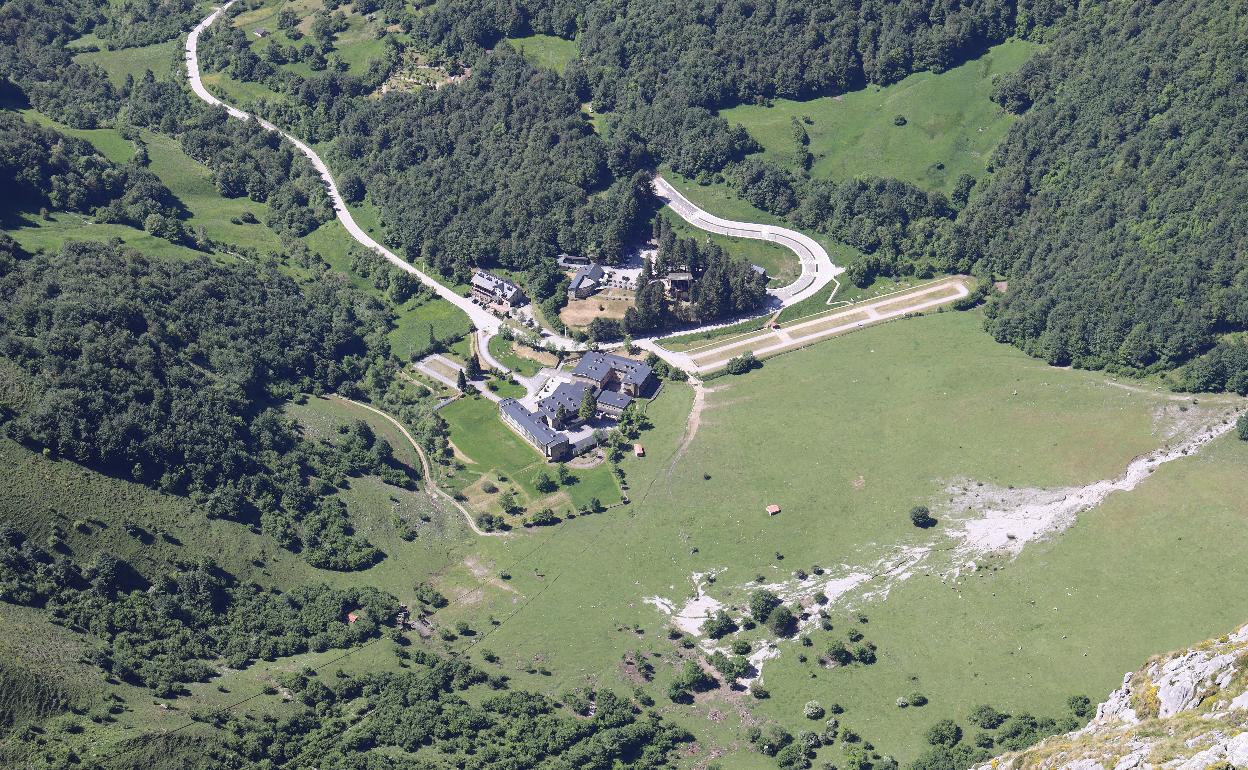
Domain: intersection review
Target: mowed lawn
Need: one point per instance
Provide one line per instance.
(846, 436)
(951, 126)
(494, 449)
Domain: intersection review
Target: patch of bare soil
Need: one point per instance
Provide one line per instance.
(459, 455)
(631, 670)
(540, 356)
(588, 460)
(700, 392)
(481, 572)
(611, 303)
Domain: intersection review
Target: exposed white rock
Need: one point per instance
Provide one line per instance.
(1182, 711)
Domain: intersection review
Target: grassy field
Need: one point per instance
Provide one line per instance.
(951, 126)
(547, 51)
(496, 454)
(885, 416)
(505, 351)
(160, 58)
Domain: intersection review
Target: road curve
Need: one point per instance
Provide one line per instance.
(817, 268)
(480, 317)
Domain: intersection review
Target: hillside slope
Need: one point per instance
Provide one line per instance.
(1186, 709)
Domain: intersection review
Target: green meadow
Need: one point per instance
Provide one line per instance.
(547, 51)
(950, 125)
(846, 436)
(160, 58)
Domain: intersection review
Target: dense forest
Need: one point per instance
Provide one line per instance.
(168, 374)
(722, 287)
(502, 170)
(35, 59)
(164, 631)
(1119, 203)
(130, 23)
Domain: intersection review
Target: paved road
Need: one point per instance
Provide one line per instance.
(480, 317)
(817, 268)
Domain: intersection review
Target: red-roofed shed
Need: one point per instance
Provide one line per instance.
(773, 509)
(639, 450)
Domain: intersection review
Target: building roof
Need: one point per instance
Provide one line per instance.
(680, 276)
(773, 509)
(540, 431)
(597, 366)
(492, 284)
(591, 274)
(567, 394)
(617, 400)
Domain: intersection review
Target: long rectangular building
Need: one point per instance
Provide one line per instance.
(550, 442)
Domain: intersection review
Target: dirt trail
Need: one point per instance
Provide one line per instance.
(700, 392)
(431, 486)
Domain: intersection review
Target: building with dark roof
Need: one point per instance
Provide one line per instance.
(567, 395)
(550, 442)
(587, 281)
(491, 289)
(611, 372)
(572, 260)
(612, 403)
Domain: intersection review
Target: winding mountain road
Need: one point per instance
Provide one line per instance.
(817, 267)
(481, 318)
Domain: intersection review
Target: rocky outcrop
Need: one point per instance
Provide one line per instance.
(1184, 711)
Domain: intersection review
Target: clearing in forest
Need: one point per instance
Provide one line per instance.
(949, 126)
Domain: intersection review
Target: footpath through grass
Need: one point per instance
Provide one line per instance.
(951, 127)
